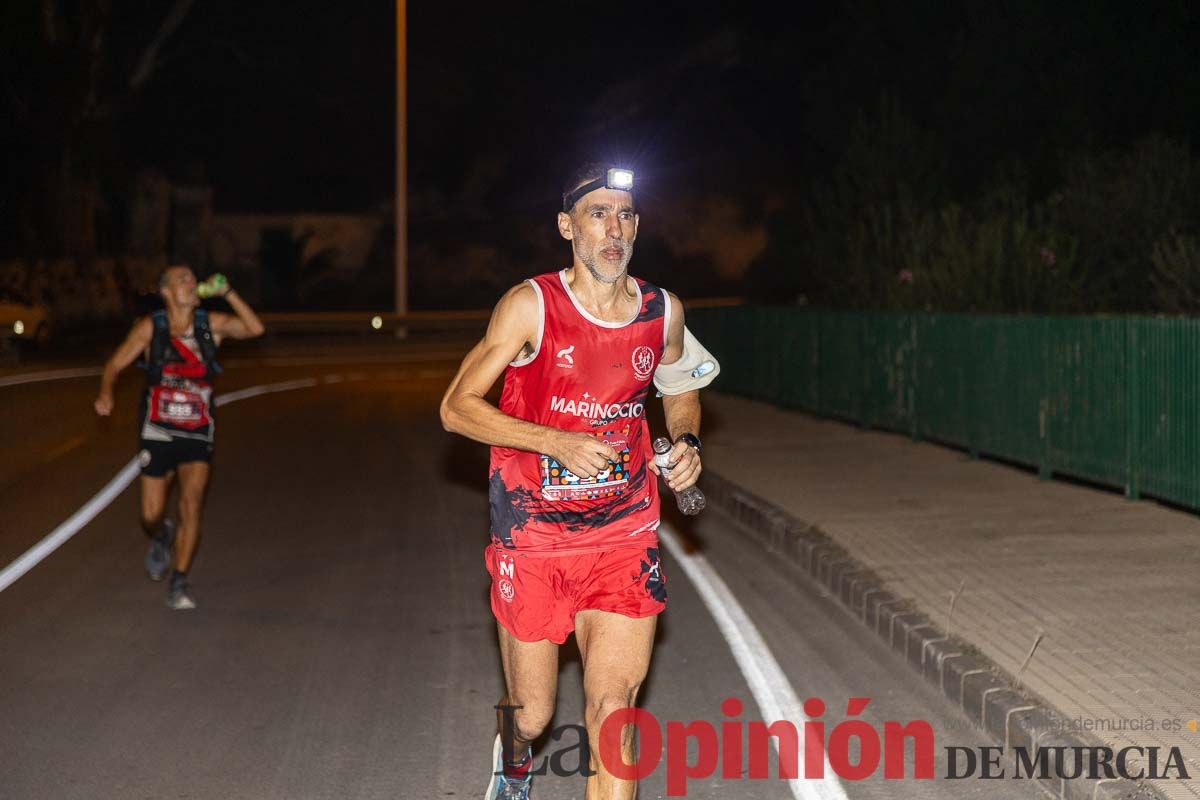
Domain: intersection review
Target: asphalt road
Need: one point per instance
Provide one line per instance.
(343, 646)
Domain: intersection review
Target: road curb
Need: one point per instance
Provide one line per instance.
(984, 691)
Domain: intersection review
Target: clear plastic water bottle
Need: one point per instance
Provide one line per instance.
(691, 500)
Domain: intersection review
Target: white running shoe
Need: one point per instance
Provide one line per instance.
(501, 787)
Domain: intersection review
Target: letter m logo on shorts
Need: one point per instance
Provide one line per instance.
(506, 568)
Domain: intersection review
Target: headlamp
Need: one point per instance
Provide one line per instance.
(620, 179)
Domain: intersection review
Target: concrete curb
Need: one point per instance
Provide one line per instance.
(989, 697)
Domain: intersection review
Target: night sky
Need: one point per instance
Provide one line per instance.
(292, 109)
(289, 105)
(728, 112)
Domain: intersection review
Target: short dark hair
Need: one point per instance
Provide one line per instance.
(162, 275)
(584, 173)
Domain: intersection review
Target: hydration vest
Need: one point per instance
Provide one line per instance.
(161, 347)
(178, 397)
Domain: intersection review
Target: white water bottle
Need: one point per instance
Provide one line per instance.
(691, 500)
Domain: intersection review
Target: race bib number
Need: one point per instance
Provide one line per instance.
(179, 407)
(559, 483)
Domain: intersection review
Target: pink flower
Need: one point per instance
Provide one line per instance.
(905, 276)
(1048, 257)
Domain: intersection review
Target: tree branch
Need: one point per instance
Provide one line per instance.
(148, 63)
(50, 21)
(96, 45)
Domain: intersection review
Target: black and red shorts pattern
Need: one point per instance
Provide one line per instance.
(536, 597)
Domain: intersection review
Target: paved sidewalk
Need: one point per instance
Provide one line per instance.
(1113, 585)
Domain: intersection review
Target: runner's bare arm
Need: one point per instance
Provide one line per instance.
(682, 411)
(245, 325)
(511, 333)
(137, 341)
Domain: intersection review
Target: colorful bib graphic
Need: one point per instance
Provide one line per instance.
(559, 483)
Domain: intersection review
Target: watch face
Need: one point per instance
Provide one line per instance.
(691, 439)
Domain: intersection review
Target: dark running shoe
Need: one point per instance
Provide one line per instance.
(158, 557)
(179, 597)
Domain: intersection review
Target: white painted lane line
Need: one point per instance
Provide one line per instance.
(234, 363)
(74, 523)
(255, 391)
(71, 526)
(349, 358)
(769, 685)
(50, 375)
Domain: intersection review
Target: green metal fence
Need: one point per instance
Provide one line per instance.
(1115, 400)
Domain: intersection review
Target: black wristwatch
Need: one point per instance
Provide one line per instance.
(691, 439)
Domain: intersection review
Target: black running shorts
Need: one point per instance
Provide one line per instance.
(159, 458)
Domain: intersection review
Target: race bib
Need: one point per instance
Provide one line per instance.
(179, 407)
(559, 483)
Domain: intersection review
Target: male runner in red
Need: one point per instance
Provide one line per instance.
(175, 425)
(573, 494)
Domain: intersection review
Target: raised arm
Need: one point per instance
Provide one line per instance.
(682, 411)
(242, 324)
(511, 333)
(137, 341)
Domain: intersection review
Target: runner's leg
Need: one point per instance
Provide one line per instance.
(616, 656)
(531, 678)
(193, 478)
(154, 501)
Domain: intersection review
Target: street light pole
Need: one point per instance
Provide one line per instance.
(401, 221)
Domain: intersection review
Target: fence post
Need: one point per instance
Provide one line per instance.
(973, 392)
(913, 366)
(864, 403)
(820, 370)
(1044, 470)
(1133, 443)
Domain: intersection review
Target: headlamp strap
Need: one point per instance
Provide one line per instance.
(572, 197)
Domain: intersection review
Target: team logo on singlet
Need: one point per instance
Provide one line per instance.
(565, 359)
(643, 362)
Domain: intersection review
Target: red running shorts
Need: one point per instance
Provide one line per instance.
(536, 597)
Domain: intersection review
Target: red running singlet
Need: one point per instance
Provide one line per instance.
(590, 376)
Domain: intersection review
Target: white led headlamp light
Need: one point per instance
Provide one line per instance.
(617, 178)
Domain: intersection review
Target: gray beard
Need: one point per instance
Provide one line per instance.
(589, 261)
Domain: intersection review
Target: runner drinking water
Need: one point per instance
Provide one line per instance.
(175, 422)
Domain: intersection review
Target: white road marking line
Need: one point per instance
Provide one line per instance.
(268, 388)
(50, 375)
(74, 523)
(335, 358)
(71, 526)
(769, 685)
(278, 361)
